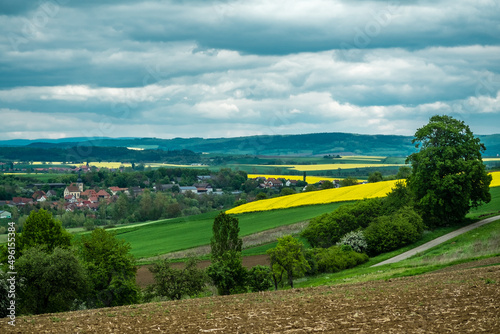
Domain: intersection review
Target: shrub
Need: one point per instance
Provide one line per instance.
(89, 225)
(310, 255)
(335, 258)
(176, 283)
(327, 229)
(239, 202)
(227, 274)
(397, 198)
(259, 278)
(356, 240)
(394, 231)
(4, 293)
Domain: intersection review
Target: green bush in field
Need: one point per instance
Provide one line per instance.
(327, 229)
(259, 278)
(41, 229)
(391, 232)
(335, 258)
(4, 295)
(228, 274)
(310, 256)
(226, 270)
(356, 240)
(175, 283)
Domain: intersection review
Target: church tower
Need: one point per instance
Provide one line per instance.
(79, 182)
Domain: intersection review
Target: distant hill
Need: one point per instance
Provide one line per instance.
(300, 145)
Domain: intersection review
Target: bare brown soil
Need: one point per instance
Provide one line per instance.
(144, 277)
(456, 301)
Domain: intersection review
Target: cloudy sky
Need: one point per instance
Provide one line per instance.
(194, 68)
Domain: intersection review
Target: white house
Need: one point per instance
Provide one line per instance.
(186, 189)
(5, 214)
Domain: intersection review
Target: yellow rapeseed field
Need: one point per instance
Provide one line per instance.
(104, 164)
(309, 179)
(353, 193)
(305, 168)
(361, 157)
(160, 164)
(496, 179)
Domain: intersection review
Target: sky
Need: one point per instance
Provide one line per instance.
(166, 69)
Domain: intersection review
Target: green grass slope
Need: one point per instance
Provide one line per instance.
(184, 233)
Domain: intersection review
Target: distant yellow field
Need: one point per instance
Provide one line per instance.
(305, 168)
(353, 193)
(309, 179)
(361, 158)
(105, 164)
(48, 163)
(158, 164)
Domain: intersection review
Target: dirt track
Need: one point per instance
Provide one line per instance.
(455, 301)
(437, 241)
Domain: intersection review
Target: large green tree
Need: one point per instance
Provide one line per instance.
(448, 175)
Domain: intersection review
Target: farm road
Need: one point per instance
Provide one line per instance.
(437, 241)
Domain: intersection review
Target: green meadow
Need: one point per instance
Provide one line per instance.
(184, 233)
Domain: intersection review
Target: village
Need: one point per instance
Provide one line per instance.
(77, 196)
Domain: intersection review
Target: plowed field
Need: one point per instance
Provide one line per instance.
(455, 301)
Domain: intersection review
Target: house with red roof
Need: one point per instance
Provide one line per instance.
(103, 194)
(88, 193)
(22, 201)
(38, 194)
(115, 190)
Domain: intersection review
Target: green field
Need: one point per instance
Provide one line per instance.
(184, 233)
(492, 207)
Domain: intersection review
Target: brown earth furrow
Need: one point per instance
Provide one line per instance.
(461, 301)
